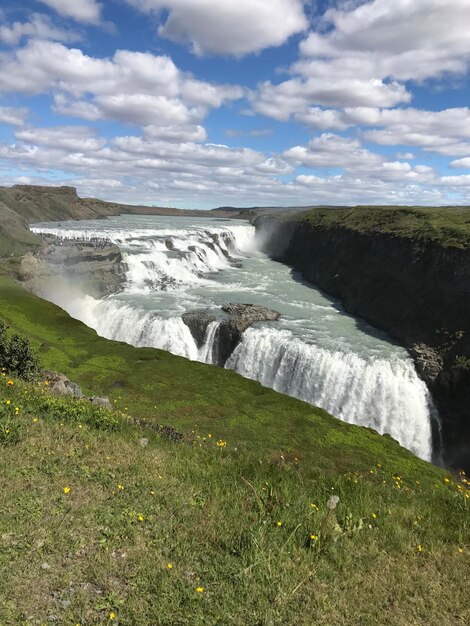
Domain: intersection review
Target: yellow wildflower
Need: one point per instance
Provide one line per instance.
(10, 383)
(112, 615)
(374, 516)
(200, 589)
(279, 523)
(420, 548)
(66, 489)
(121, 487)
(140, 517)
(170, 566)
(314, 537)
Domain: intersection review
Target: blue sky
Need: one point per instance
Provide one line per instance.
(202, 103)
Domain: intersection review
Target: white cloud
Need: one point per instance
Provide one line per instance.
(15, 117)
(175, 133)
(136, 87)
(464, 163)
(406, 39)
(227, 26)
(39, 26)
(152, 171)
(331, 150)
(74, 138)
(361, 56)
(86, 11)
(145, 109)
(295, 96)
(456, 181)
(323, 119)
(445, 132)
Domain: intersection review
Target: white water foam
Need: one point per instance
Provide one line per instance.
(385, 395)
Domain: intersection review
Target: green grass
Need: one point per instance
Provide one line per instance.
(211, 511)
(448, 226)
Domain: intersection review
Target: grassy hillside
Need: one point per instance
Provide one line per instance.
(229, 525)
(448, 226)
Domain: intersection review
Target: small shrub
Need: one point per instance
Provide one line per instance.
(17, 355)
(463, 363)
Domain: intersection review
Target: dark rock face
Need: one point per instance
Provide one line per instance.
(198, 321)
(417, 291)
(230, 331)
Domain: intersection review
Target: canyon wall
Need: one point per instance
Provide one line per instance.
(415, 288)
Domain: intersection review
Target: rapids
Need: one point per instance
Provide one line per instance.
(315, 352)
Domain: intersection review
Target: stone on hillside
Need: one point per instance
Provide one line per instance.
(53, 377)
(66, 388)
(103, 402)
(59, 388)
(75, 390)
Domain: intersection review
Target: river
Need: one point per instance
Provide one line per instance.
(315, 352)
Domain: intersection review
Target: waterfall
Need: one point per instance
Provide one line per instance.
(166, 258)
(172, 266)
(206, 353)
(385, 395)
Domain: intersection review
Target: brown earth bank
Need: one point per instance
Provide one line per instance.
(415, 287)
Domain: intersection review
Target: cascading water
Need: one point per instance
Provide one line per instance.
(384, 394)
(315, 352)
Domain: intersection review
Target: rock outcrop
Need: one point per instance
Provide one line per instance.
(99, 271)
(60, 385)
(197, 322)
(415, 289)
(238, 318)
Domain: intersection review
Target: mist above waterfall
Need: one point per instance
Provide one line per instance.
(315, 352)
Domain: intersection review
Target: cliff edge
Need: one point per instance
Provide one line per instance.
(406, 271)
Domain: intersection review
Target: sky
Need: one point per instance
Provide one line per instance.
(205, 103)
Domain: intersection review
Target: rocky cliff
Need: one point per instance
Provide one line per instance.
(414, 285)
(97, 271)
(230, 329)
